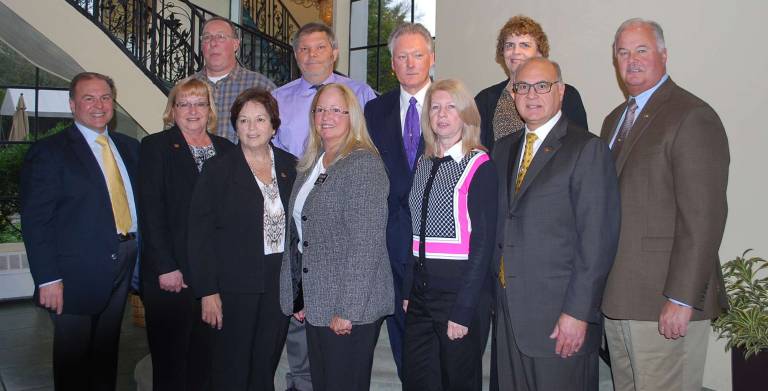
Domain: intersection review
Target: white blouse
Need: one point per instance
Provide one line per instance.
(301, 196)
(274, 214)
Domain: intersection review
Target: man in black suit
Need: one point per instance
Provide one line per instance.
(79, 224)
(393, 123)
(558, 231)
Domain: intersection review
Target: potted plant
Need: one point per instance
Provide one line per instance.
(745, 325)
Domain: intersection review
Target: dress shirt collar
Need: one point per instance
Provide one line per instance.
(456, 151)
(543, 131)
(305, 87)
(406, 97)
(642, 98)
(90, 134)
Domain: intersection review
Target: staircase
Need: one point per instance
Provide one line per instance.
(162, 37)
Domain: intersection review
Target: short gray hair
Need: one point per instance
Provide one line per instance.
(409, 28)
(235, 34)
(655, 27)
(315, 27)
(544, 60)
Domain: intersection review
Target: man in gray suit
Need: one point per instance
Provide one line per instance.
(557, 236)
(672, 160)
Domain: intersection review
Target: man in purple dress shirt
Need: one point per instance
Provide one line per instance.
(316, 51)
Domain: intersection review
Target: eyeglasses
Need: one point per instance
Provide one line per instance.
(541, 87)
(188, 105)
(319, 110)
(219, 38)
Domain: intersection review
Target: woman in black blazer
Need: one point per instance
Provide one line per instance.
(169, 166)
(236, 244)
(519, 39)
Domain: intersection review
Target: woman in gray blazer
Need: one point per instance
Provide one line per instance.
(336, 274)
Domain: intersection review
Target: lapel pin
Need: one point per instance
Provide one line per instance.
(176, 146)
(547, 149)
(283, 175)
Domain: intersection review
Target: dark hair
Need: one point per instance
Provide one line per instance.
(82, 76)
(257, 95)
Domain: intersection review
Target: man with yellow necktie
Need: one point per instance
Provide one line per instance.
(78, 218)
(557, 234)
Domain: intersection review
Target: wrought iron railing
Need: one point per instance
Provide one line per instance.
(270, 17)
(162, 37)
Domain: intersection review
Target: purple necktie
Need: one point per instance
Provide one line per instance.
(412, 133)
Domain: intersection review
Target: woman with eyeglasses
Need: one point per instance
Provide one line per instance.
(447, 284)
(519, 39)
(169, 166)
(236, 243)
(336, 275)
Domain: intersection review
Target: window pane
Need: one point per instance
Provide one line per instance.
(393, 12)
(424, 13)
(358, 65)
(387, 79)
(358, 24)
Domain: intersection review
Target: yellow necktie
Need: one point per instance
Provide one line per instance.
(530, 138)
(116, 187)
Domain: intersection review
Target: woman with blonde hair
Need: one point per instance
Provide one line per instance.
(335, 274)
(447, 286)
(169, 166)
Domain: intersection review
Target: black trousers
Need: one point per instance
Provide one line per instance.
(342, 362)
(396, 321)
(179, 340)
(246, 351)
(85, 347)
(431, 361)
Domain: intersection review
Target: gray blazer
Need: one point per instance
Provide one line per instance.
(345, 268)
(558, 234)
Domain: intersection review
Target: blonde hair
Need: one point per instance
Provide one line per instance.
(194, 87)
(357, 137)
(468, 113)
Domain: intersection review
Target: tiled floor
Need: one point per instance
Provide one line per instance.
(26, 343)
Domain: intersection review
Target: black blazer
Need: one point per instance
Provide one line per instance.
(167, 176)
(226, 224)
(486, 101)
(382, 115)
(69, 228)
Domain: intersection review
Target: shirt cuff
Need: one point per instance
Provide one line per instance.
(680, 303)
(49, 283)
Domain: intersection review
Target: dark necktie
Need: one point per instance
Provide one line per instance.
(412, 133)
(317, 86)
(626, 126)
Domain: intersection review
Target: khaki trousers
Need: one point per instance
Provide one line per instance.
(643, 360)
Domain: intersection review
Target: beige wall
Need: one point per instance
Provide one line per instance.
(715, 51)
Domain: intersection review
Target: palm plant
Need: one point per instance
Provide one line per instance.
(745, 325)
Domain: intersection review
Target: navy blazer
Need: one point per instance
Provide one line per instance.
(488, 98)
(66, 215)
(382, 115)
(167, 176)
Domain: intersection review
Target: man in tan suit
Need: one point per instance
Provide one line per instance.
(672, 159)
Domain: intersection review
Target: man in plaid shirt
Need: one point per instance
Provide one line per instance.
(227, 78)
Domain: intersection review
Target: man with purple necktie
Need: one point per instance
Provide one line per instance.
(393, 123)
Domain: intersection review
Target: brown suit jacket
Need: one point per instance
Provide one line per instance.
(673, 174)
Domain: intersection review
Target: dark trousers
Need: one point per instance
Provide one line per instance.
(246, 351)
(85, 347)
(431, 361)
(396, 321)
(342, 362)
(179, 340)
(517, 371)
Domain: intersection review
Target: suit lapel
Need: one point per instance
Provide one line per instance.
(546, 151)
(84, 154)
(651, 109)
(284, 177)
(244, 179)
(181, 155)
(512, 162)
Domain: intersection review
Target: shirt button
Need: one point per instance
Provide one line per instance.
(306, 244)
(305, 270)
(114, 257)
